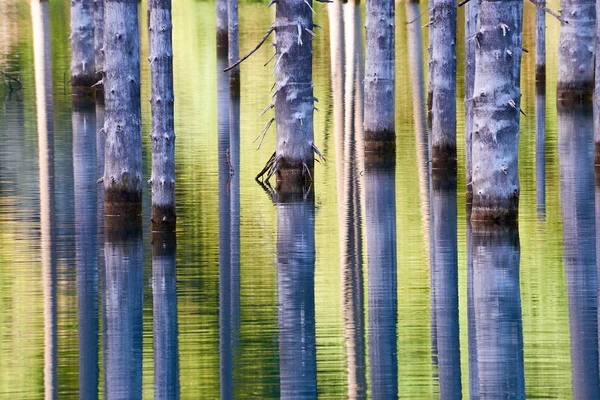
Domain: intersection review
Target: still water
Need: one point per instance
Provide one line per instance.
(372, 284)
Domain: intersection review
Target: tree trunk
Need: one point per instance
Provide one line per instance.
(596, 96)
(86, 241)
(380, 131)
(540, 43)
(163, 126)
(164, 312)
(540, 150)
(233, 45)
(221, 13)
(123, 307)
(122, 126)
(296, 284)
(497, 301)
(430, 66)
(294, 91)
(82, 46)
(470, 31)
(443, 101)
(576, 51)
(575, 135)
(444, 284)
(496, 106)
(380, 215)
(98, 38)
(42, 56)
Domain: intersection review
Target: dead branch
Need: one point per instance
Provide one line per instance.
(271, 29)
(7, 77)
(549, 11)
(419, 17)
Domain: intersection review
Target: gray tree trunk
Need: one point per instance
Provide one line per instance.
(296, 284)
(380, 131)
(221, 13)
(122, 126)
(294, 100)
(540, 43)
(123, 308)
(596, 98)
(444, 284)
(430, 66)
(380, 216)
(540, 150)
(575, 136)
(98, 37)
(233, 45)
(471, 9)
(496, 106)
(82, 46)
(86, 241)
(164, 312)
(443, 100)
(42, 56)
(576, 51)
(497, 301)
(163, 120)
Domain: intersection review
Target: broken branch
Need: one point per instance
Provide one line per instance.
(549, 11)
(271, 29)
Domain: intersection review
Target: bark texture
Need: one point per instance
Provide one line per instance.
(380, 132)
(576, 51)
(164, 312)
(163, 120)
(233, 45)
(540, 43)
(82, 46)
(98, 37)
(294, 99)
(497, 306)
(296, 284)
(575, 135)
(471, 11)
(443, 100)
(380, 216)
(496, 107)
(86, 241)
(444, 283)
(122, 125)
(596, 101)
(123, 308)
(221, 13)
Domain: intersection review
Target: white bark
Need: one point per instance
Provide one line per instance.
(122, 126)
(233, 45)
(380, 135)
(576, 50)
(98, 36)
(596, 97)
(163, 119)
(496, 107)
(221, 16)
(294, 100)
(82, 44)
(540, 43)
(470, 30)
(443, 100)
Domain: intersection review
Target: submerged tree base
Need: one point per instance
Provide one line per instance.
(597, 154)
(380, 141)
(124, 203)
(486, 211)
(163, 218)
(540, 74)
(443, 157)
(567, 94)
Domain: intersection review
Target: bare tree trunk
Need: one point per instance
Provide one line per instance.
(82, 46)
(296, 280)
(430, 66)
(222, 42)
(233, 45)
(540, 150)
(444, 284)
(380, 131)
(380, 215)
(496, 106)
(471, 11)
(86, 242)
(540, 43)
(576, 51)
(122, 126)
(443, 101)
(164, 311)
(98, 38)
(497, 301)
(575, 135)
(163, 120)
(123, 308)
(294, 91)
(596, 96)
(42, 56)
